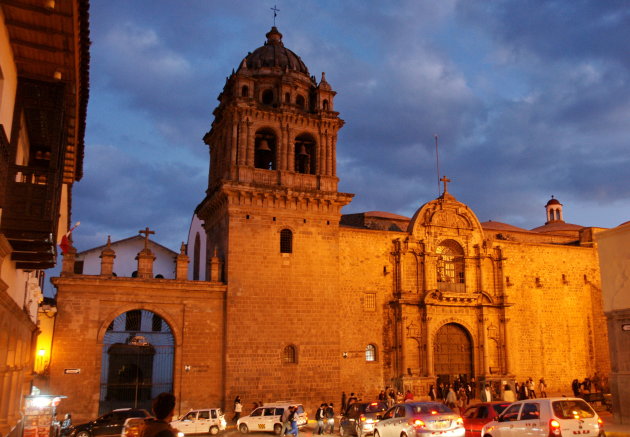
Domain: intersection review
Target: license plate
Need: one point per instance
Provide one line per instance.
(441, 424)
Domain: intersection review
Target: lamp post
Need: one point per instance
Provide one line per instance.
(139, 342)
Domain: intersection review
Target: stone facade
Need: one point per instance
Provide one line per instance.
(310, 303)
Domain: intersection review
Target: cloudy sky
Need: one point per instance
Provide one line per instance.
(529, 99)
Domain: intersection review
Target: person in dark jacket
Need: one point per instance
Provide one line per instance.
(320, 415)
(160, 426)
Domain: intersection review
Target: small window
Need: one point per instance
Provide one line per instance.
(369, 302)
(132, 320)
(270, 411)
(204, 415)
(78, 267)
(289, 355)
(325, 105)
(300, 102)
(257, 412)
(267, 97)
(159, 276)
(287, 98)
(286, 241)
(213, 413)
(511, 413)
(245, 91)
(400, 411)
(134, 274)
(156, 323)
(370, 353)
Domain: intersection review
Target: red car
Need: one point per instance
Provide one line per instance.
(477, 415)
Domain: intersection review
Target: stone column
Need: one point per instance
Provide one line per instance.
(242, 142)
(145, 260)
(181, 269)
(429, 337)
(290, 150)
(469, 271)
(506, 350)
(333, 159)
(107, 259)
(484, 339)
(215, 266)
(250, 144)
(67, 264)
(5, 392)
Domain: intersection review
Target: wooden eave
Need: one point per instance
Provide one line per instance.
(49, 38)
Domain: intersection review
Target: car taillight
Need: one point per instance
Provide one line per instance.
(554, 428)
(600, 422)
(362, 418)
(418, 423)
(459, 421)
(433, 412)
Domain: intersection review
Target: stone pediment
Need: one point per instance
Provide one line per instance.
(437, 297)
(447, 219)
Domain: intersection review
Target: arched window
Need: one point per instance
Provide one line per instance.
(286, 241)
(450, 266)
(196, 257)
(267, 97)
(245, 91)
(325, 105)
(289, 355)
(300, 102)
(370, 352)
(287, 98)
(305, 154)
(265, 149)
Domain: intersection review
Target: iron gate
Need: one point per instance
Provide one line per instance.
(137, 361)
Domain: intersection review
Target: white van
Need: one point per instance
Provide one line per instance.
(546, 417)
(205, 421)
(269, 418)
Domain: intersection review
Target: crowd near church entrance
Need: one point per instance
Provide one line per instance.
(453, 354)
(137, 361)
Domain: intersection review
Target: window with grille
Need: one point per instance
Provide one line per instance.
(289, 355)
(156, 323)
(286, 241)
(369, 302)
(370, 353)
(132, 320)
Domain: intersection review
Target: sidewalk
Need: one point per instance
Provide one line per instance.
(612, 429)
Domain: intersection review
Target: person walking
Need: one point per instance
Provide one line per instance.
(486, 394)
(286, 425)
(542, 388)
(238, 408)
(163, 408)
(432, 392)
(330, 418)
(319, 418)
(293, 419)
(451, 398)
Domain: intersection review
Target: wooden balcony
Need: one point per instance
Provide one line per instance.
(30, 215)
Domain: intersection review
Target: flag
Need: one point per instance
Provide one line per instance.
(64, 245)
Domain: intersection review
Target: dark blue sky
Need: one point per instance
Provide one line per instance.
(529, 99)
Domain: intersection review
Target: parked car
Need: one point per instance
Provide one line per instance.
(268, 418)
(418, 419)
(477, 415)
(206, 421)
(132, 425)
(546, 417)
(360, 417)
(110, 424)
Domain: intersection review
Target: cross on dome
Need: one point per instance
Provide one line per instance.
(446, 181)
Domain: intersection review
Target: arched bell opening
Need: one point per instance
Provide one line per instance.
(305, 154)
(265, 156)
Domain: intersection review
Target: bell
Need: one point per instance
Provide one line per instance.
(263, 145)
(302, 151)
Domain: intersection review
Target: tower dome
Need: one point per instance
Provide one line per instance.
(274, 55)
(554, 211)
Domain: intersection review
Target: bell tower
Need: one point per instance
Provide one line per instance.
(271, 214)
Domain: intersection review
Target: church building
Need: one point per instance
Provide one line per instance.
(277, 295)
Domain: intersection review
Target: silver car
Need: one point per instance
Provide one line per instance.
(419, 419)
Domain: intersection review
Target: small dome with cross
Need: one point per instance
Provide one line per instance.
(273, 54)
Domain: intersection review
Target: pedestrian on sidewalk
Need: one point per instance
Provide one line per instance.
(238, 408)
(330, 417)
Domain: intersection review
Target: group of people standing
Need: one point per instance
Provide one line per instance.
(325, 417)
(453, 395)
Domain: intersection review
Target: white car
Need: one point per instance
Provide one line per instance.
(269, 418)
(210, 420)
(546, 417)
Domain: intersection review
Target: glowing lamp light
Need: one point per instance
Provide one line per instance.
(433, 412)
(418, 423)
(42, 402)
(41, 352)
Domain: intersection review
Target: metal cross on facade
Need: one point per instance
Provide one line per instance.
(275, 14)
(146, 233)
(446, 181)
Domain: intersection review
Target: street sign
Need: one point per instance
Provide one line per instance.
(71, 371)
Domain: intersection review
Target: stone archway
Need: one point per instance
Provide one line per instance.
(453, 353)
(137, 362)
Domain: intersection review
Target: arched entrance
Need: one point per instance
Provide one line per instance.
(453, 354)
(137, 357)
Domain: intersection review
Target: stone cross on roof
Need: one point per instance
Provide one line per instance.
(446, 181)
(146, 233)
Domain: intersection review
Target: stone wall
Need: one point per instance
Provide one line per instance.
(86, 307)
